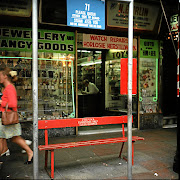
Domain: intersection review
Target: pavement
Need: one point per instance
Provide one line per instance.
(153, 158)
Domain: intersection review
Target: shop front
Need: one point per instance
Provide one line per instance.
(99, 61)
(103, 66)
(56, 52)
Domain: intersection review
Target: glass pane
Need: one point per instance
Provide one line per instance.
(55, 85)
(89, 67)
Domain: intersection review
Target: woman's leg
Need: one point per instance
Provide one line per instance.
(21, 142)
(3, 145)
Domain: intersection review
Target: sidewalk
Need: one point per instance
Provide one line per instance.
(153, 159)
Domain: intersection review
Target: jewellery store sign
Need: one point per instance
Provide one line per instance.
(18, 39)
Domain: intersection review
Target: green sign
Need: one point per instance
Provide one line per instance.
(148, 70)
(149, 48)
(20, 39)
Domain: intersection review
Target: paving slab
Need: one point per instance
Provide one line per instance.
(153, 159)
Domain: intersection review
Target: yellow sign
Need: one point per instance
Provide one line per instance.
(21, 8)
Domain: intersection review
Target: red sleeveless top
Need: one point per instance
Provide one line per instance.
(10, 97)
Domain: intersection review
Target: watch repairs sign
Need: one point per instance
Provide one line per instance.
(107, 42)
(145, 16)
(20, 39)
(86, 13)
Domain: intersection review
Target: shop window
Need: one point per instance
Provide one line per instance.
(115, 102)
(148, 85)
(55, 84)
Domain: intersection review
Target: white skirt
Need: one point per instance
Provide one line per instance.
(10, 131)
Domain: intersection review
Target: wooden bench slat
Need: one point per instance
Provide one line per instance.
(87, 143)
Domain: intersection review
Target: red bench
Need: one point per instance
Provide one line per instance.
(61, 123)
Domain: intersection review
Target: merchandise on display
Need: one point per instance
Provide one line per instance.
(114, 101)
(55, 78)
(147, 84)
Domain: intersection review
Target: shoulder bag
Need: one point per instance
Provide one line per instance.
(9, 117)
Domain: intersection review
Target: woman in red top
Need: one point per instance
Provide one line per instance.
(9, 97)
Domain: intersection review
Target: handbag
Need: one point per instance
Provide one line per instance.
(9, 117)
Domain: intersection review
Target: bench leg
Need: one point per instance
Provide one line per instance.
(132, 153)
(121, 150)
(46, 158)
(52, 164)
(51, 173)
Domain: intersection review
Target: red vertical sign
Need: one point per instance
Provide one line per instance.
(124, 76)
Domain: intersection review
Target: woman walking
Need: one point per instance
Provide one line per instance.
(13, 132)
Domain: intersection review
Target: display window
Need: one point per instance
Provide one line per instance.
(148, 85)
(55, 83)
(148, 76)
(150, 115)
(114, 100)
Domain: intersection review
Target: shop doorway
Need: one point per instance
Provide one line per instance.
(90, 83)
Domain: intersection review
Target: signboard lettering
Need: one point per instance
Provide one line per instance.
(107, 42)
(21, 40)
(149, 48)
(88, 122)
(145, 16)
(20, 8)
(86, 13)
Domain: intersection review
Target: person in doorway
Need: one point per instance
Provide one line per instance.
(9, 97)
(90, 88)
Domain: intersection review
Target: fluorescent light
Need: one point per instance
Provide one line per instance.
(91, 63)
(83, 51)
